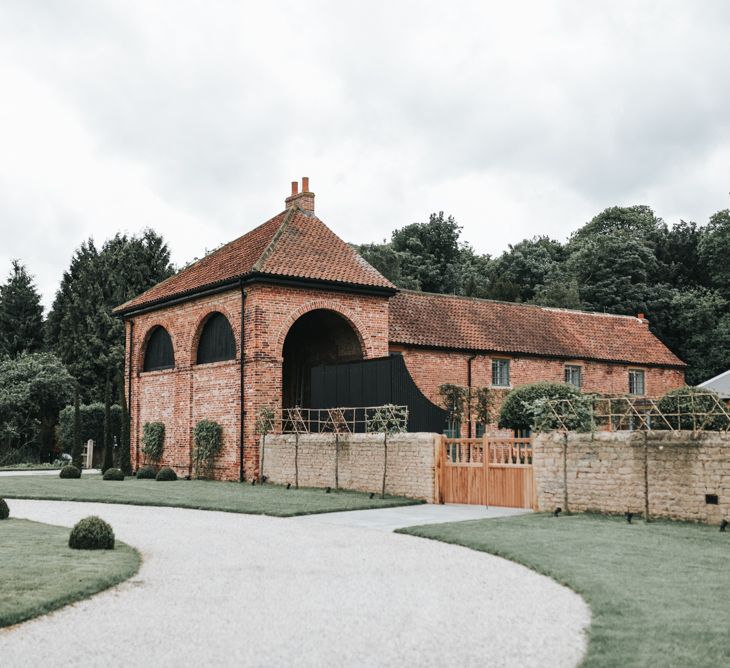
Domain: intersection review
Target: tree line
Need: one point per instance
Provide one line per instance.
(626, 260)
(77, 348)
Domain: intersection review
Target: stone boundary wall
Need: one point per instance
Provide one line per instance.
(667, 473)
(411, 459)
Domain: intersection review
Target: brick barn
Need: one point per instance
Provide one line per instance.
(295, 298)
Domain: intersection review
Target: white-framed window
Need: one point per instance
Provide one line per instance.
(637, 382)
(500, 373)
(574, 375)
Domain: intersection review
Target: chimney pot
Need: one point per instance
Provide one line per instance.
(304, 200)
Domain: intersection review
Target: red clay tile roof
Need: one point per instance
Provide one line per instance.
(463, 323)
(293, 244)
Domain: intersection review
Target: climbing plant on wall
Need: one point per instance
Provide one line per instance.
(153, 441)
(208, 437)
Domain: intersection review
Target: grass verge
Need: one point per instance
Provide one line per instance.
(658, 592)
(40, 572)
(199, 494)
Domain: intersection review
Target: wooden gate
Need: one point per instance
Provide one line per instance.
(486, 471)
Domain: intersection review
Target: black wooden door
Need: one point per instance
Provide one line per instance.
(375, 382)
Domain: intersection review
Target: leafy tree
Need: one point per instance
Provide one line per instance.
(388, 262)
(679, 251)
(81, 328)
(430, 257)
(430, 253)
(699, 332)
(475, 271)
(713, 250)
(524, 267)
(517, 408)
(634, 221)
(614, 260)
(691, 408)
(560, 290)
(33, 388)
(21, 314)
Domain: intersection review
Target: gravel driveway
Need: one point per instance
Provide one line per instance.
(227, 589)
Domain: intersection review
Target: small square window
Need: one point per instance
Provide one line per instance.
(574, 375)
(636, 382)
(500, 373)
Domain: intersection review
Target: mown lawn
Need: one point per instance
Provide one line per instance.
(659, 593)
(40, 572)
(201, 494)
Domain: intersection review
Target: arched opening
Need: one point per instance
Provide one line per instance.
(216, 341)
(318, 337)
(159, 354)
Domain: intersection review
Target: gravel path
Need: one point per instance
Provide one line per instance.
(227, 589)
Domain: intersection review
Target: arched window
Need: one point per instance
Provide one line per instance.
(216, 341)
(159, 354)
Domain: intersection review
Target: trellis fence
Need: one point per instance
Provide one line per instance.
(341, 420)
(694, 411)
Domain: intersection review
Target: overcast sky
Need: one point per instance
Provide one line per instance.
(193, 117)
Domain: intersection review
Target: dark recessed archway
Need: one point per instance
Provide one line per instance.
(216, 340)
(318, 337)
(159, 352)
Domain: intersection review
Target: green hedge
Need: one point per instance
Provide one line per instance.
(92, 425)
(91, 533)
(516, 413)
(684, 409)
(166, 474)
(146, 473)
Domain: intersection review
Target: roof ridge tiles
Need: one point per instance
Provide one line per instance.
(517, 304)
(277, 235)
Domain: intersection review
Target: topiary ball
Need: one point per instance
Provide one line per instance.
(113, 474)
(70, 471)
(4, 510)
(91, 533)
(146, 473)
(166, 473)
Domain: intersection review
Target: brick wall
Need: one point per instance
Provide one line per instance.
(181, 396)
(189, 392)
(605, 473)
(431, 368)
(410, 462)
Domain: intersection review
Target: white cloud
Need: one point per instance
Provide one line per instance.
(518, 118)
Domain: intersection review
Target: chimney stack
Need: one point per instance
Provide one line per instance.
(643, 319)
(304, 200)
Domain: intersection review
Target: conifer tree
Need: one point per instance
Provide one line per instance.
(77, 447)
(21, 314)
(108, 461)
(81, 328)
(125, 459)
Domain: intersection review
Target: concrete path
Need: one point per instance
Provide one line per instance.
(226, 589)
(390, 519)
